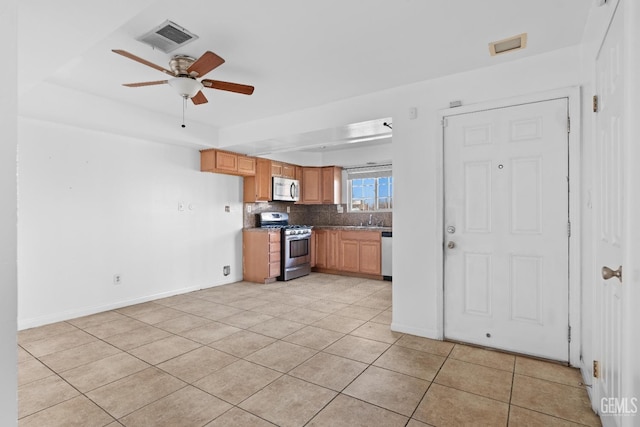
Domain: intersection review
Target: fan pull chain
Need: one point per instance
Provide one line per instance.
(184, 106)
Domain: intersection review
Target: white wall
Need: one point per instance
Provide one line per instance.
(94, 204)
(8, 235)
(417, 167)
(416, 163)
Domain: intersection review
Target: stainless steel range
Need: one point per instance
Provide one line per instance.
(295, 241)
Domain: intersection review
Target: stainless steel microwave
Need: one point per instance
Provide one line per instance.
(285, 189)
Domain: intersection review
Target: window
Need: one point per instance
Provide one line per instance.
(370, 189)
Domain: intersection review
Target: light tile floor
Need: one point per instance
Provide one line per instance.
(315, 351)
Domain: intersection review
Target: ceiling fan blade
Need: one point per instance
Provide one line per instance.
(142, 61)
(207, 62)
(158, 82)
(231, 87)
(199, 98)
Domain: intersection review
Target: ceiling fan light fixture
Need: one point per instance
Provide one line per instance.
(186, 86)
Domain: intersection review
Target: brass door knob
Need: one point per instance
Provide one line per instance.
(608, 273)
(451, 245)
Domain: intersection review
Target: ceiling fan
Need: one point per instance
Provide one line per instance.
(184, 71)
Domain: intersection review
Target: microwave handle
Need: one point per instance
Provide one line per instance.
(292, 190)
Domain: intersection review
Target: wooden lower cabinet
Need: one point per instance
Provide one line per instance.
(349, 252)
(349, 255)
(260, 256)
(326, 249)
(370, 257)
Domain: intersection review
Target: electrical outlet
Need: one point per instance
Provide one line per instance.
(288, 209)
(227, 208)
(117, 279)
(248, 208)
(226, 270)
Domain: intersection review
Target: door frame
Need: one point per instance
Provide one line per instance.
(573, 97)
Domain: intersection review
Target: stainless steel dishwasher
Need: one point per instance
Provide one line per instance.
(387, 247)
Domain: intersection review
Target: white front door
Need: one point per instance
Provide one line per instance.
(506, 228)
(609, 209)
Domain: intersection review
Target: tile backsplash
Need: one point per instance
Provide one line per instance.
(316, 215)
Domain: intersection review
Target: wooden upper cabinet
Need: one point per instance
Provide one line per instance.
(288, 171)
(322, 185)
(257, 188)
(246, 165)
(284, 170)
(332, 185)
(208, 160)
(276, 168)
(311, 186)
(298, 176)
(227, 162)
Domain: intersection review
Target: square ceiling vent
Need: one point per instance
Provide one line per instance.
(508, 45)
(167, 37)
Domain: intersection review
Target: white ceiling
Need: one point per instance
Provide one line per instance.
(297, 54)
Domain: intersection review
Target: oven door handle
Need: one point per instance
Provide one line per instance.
(291, 238)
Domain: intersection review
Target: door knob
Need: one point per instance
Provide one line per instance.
(451, 244)
(608, 273)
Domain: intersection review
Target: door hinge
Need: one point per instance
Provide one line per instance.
(596, 369)
(569, 333)
(568, 228)
(595, 103)
(568, 124)
(443, 122)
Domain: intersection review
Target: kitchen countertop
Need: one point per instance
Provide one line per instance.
(259, 229)
(353, 227)
(328, 227)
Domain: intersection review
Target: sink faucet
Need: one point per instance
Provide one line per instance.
(370, 215)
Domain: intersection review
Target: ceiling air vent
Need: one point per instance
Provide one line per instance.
(508, 45)
(167, 37)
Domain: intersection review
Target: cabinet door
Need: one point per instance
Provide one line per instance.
(312, 249)
(276, 169)
(331, 185)
(321, 248)
(349, 255)
(263, 180)
(311, 185)
(370, 257)
(246, 165)
(227, 162)
(298, 170)
(288, 171)
(333, 249)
